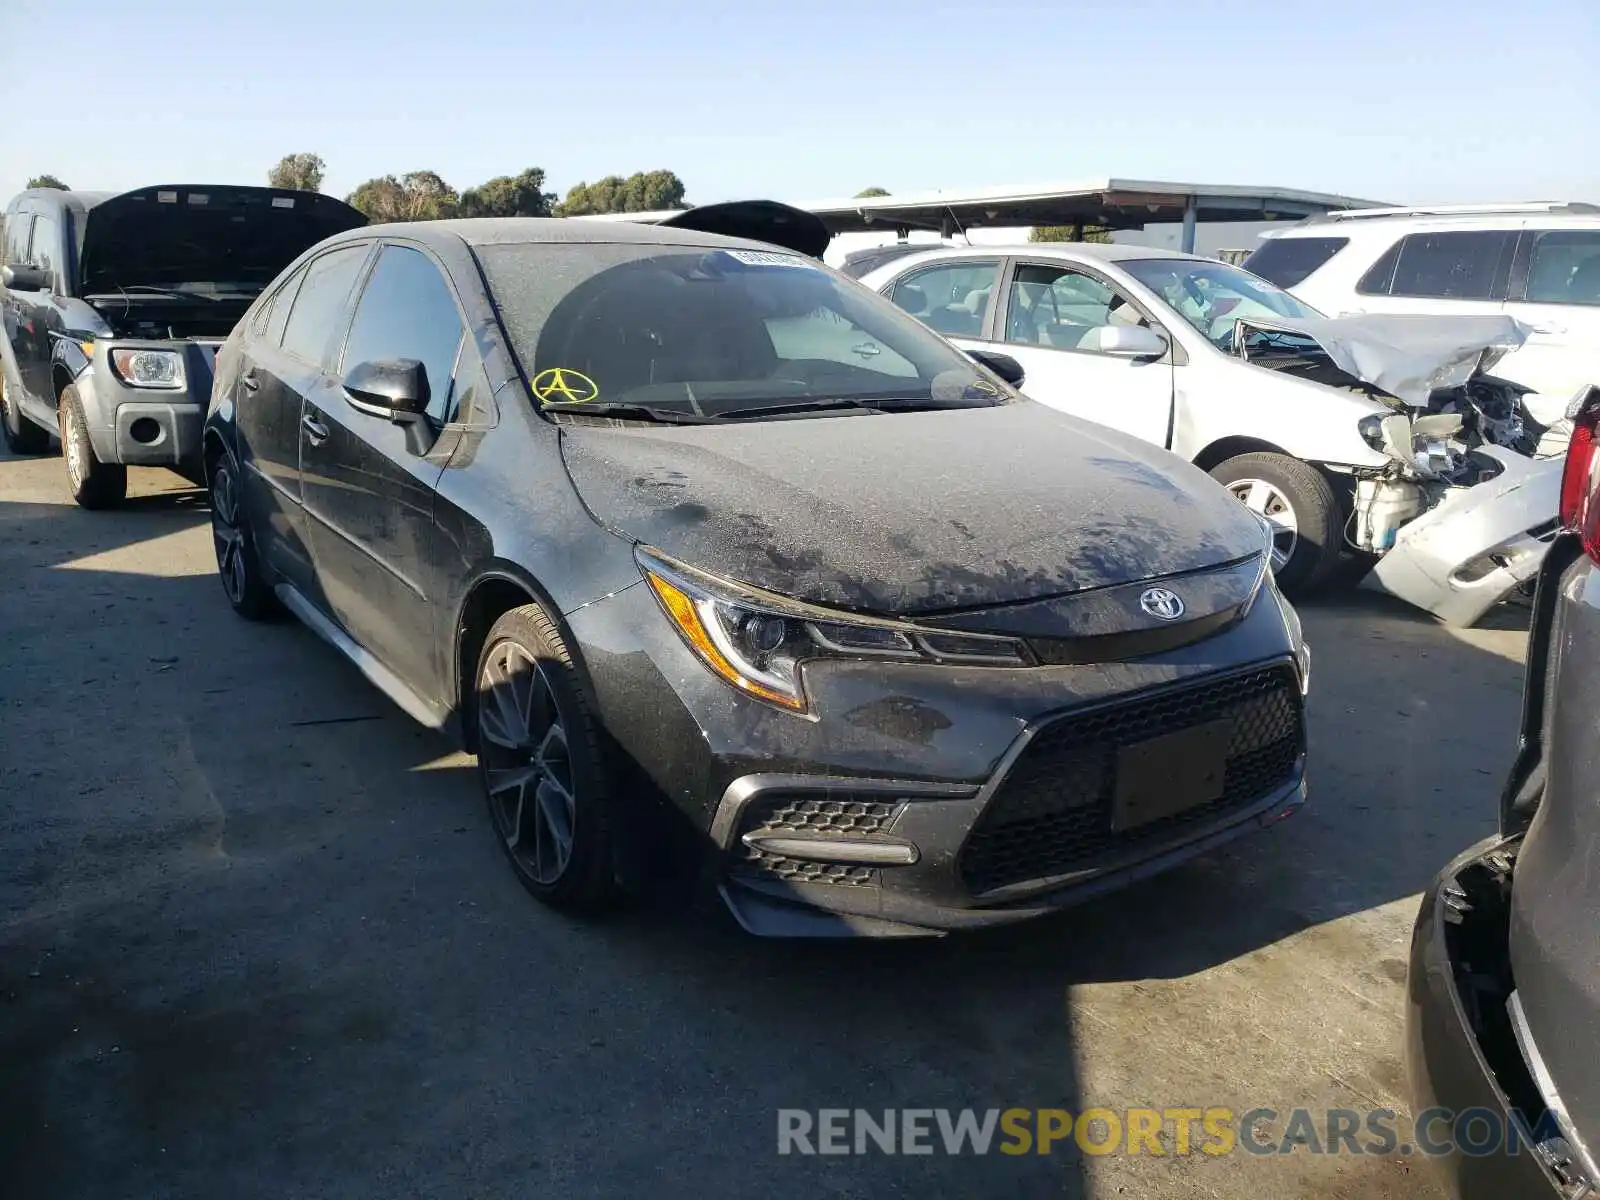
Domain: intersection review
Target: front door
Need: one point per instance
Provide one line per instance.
(367, 490)
(1052, 320)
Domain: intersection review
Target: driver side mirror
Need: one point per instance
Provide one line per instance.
(395, 388)
(1128, 341)
(25, 279)
(1002, 365)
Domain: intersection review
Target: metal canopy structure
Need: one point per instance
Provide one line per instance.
(1096, 203)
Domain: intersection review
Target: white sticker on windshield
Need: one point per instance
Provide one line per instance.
(768, 258)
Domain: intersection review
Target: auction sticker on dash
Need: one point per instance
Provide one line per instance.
(768, 258)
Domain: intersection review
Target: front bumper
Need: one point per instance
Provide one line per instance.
(144, 426)
(924, 799)
(1460, 1063)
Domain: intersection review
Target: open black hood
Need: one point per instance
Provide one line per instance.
(759, 221)
(193, 233)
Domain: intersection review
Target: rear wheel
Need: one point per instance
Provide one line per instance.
(94, 484)
(22, 435)
(243, 580)
(549, 791)
(1297, 501)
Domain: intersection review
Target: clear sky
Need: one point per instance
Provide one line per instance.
(1403, 100)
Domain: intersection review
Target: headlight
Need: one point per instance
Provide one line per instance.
(149, 368)
(756, 640)
(1371, 430)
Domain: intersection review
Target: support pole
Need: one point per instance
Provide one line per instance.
(1190, 213)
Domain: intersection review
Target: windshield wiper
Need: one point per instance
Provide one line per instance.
(636, 412)
(894, 403)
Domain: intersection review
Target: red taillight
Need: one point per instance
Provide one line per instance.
(1580, 507)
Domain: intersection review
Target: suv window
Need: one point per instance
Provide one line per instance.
(44, 250)
(1063, 308)
(1564, 267)
(318, 312)
(408, 311)
(18, 228)
(950, 297)
(1460, 265)
(1287, 261)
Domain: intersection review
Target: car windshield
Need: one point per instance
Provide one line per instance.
(1212, 296)
(706, 332)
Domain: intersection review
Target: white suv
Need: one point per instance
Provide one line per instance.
(1539, 263)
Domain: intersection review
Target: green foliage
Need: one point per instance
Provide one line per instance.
(48, 181)
(867, 193)
(415, 196)
(644, 191)
(298, 172)
(1064, 233)
(509, 196)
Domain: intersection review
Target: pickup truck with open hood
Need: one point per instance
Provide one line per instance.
(114, 306)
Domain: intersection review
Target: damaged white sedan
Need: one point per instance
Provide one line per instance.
(1381, 437)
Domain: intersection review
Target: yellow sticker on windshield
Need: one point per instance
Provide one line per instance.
(561, 385)
(983, 386)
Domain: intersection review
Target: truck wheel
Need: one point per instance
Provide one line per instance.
(22, 435)
(94, 484)
(1299, 503)
(549, 789)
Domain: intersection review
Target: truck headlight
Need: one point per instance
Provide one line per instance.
(162, 369)
(755, 640)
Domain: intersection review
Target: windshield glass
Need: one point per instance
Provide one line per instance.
(1211, 296)
(706, 332)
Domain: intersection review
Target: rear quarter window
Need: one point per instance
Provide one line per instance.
(1467, 264)
(1287, 261)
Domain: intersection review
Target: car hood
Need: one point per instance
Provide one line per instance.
(189, 233)
(910, 513)
(1409, 356)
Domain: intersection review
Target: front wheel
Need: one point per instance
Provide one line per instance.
(94, 484)
(1297, 501)
(549, 790)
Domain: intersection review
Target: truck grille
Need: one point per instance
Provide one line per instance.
(1052, 814)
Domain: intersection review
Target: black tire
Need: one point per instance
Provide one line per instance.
(244, 581)
(1318, 537)
(524, 675)
(94, 484)
(22, 435)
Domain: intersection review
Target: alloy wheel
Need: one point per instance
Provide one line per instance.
(527, 768)
(72, 443)
(227, 534)
(1268, 500)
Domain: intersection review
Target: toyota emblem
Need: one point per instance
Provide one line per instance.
(1161, 604)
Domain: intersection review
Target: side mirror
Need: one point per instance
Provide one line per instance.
(396, 388)
(1128, 341)
(25, 279)
(1002, 365)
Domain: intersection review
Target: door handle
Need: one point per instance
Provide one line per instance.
(249, 380)
(316, 431)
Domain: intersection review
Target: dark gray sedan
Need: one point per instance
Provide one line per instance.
(710, 553)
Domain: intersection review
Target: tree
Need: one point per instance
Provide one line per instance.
(49, 181)
(298, 172)
(868, 193)
(644, 191)
(415, 196)
(1066, 233)
(509, 196)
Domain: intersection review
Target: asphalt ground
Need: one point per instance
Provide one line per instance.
(256, 938)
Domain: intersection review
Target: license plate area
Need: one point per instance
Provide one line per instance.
(1166, 775)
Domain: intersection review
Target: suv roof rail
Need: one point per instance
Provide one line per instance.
(1463, 210)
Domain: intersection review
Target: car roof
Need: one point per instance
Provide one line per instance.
(1388, 223)
(1071, 251)
(506, 231)
(78, 202)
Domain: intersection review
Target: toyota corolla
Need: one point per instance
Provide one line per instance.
(671, 525)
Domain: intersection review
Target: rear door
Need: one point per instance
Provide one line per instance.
(1051, 319)
(289, 348)
(19, 228)
(368, 496)
(1555, 291)
(38, 314)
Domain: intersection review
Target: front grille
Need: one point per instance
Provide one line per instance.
(812, 816)
(1052, 814)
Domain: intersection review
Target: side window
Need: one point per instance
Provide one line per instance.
(273, 314)
(1287, 261)
(1062, 308)
(408, 311)
(320, 306)
(44, 249)
(1460, 265)
(950, 298)
(18, 227)
(1564, 267)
